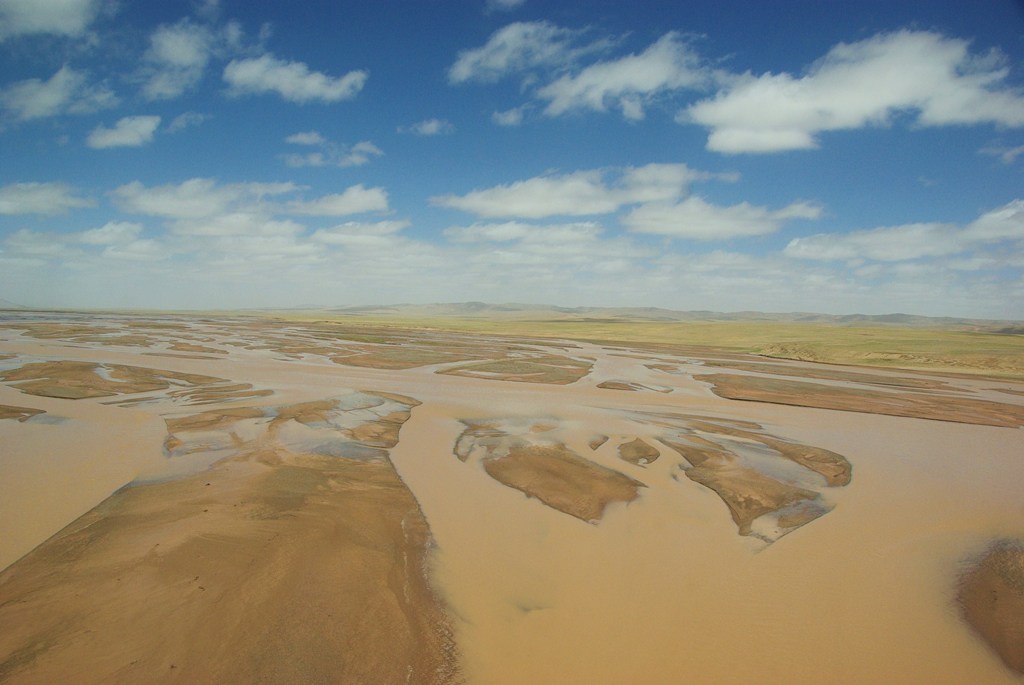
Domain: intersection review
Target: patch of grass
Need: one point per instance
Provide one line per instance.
(931, 349)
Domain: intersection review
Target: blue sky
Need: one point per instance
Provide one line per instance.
(807, 155)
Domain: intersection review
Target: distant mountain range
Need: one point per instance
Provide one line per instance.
(514, 311)
(611, 314)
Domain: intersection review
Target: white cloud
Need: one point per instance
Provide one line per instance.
(195, 198)
(696, 219)
(628, 82)
(510, 117)
(40, 198)
(176, 59)
(291, 80)
(112, 233)
(356, 199)
(520, 46)
(26, 243)
(249, 222)
(429, 127)
(247, 251)
(359, 235)
(1002, 223)
(329, 153)
(504, 232)
(890, 243)
(580, 193)
(572, 233)
(66, 92)
(914, 241)
(127, 132)
(857, 85)
(661, 182)
(504, 5)
(306, 138)
(59, 17)
(146, 250)
(360, 154)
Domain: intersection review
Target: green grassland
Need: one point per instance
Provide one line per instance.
(945, 349)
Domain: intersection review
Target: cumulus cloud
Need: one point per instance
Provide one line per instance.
(580, 193)
(890, 243)
(356, 199)
(34, 244)
(504, 232)
(194, 198)
(578, 232)
(429, 127)
(246, 222)
(293, 81)
(935, 78)
(127, 132)
(628, 82)
(914, 241)
(520, 46)
(146, 250)
(360, 235)
(359, 154)
(696, 219)
(176, 59)
(111, 233)
(57, 17)
(66, 92)
(40, 198)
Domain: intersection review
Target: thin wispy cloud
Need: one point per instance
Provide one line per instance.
(627, 83)
(520, 47)
(68, 91)
(186, 120)
(429, 127)
(324, 152)
(581, 193)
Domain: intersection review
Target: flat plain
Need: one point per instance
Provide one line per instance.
(388, 498)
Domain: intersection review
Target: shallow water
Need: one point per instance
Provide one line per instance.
(663, 590)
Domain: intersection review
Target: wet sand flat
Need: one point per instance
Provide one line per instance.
(273, 565)
(274, 514)
(269, 569)
(799, 393)
(992, 600)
